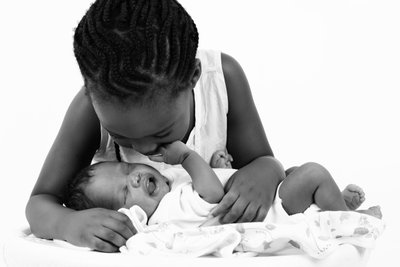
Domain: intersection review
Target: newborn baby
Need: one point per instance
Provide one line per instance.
(187, 196)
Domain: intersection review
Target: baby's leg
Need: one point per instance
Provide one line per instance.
(308, 184)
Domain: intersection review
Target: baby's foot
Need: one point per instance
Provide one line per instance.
(373, 211)
(354, 196)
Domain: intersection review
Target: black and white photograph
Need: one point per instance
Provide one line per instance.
(202, 133)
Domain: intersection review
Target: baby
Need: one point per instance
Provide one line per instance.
(187, 196)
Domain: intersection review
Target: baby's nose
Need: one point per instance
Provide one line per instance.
(134, 181)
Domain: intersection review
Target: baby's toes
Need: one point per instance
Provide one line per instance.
(355, 202)
(352, 203)
(354, 196)
(354, 189)
(359, 190)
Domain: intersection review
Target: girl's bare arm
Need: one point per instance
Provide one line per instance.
(250, 191)
(72, 150)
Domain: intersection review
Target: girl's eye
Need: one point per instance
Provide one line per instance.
(162, 135)
(117, 137)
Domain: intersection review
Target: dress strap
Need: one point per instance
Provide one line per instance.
(117, 152)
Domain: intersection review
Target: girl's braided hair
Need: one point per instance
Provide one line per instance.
(134, 49)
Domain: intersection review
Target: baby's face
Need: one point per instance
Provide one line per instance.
(116, 185)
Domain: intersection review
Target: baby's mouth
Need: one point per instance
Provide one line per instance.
(151, 185)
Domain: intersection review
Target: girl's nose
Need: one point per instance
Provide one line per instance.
(134, 181)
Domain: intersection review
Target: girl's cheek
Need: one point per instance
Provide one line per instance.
(124, 142)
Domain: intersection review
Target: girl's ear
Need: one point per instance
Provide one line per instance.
(196, 73)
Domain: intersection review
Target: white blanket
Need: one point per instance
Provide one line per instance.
(317, 234)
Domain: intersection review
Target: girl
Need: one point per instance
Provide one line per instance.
(146, 85)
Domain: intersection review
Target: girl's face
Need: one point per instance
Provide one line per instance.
(146, 128)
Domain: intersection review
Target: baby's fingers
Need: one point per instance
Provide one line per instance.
(156, 157)
(159, 155)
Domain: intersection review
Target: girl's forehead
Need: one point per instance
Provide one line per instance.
(143, 120)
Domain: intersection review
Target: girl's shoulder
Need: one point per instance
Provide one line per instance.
(243, 144)
(237, 86)
(73, 148)
(217, 61)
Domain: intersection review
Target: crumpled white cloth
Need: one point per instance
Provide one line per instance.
(317, 234)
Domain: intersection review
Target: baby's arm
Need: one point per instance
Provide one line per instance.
(205, 181)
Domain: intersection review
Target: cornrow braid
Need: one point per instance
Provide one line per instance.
(135, 49)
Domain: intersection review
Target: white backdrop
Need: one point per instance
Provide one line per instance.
(324, 75)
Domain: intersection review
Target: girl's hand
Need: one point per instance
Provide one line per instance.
(99, 229)
(173, 153)
(250, 192)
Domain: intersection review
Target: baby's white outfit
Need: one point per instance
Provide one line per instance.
(184, 208)
(211, 108)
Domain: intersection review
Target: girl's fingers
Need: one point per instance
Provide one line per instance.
(111, 237)
(223, 206)
(121, 224)
(249, 214)
(100, 245)
(236, 211)
(261, 214)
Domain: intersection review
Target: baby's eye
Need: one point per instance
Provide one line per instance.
(125, 194)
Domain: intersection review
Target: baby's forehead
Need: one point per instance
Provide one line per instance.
(106, 165)
(116, 166)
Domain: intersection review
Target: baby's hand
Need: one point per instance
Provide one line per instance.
(173, 153)
(221, 159)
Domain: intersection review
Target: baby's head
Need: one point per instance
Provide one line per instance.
(115, 185)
